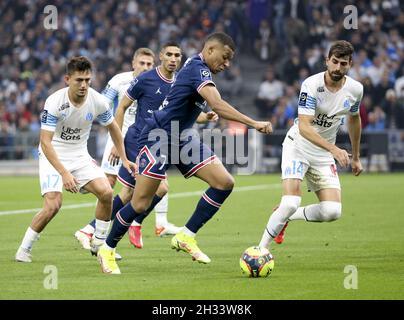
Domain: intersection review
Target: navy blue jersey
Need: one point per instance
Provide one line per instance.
(183, 103)
(149, 89)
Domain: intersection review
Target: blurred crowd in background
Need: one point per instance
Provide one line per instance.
(287, 38)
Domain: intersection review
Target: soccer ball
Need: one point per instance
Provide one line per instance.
(256, 262)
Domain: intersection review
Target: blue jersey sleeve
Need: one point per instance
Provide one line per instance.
(135, 90)
(201, 76)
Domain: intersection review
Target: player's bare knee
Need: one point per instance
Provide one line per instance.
(106, 195)
(51, 208)
(330, 210)
(141, 204)
(225, 183)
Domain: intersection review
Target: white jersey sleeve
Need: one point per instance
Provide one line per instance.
(307, 98)
(111, 92)
(357, 92)
(104, 113)
(50, 114)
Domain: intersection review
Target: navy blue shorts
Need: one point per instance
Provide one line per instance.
(154, 158)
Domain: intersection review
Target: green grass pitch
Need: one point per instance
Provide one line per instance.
(310, 263)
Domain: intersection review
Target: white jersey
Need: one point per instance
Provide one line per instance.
(72, 125)
(115, 90)
(328, 109)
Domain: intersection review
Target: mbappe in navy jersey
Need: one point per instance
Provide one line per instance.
(183, 103)
(179, 111)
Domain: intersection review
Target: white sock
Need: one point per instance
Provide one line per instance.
(161, 210)
(135, 224)
(188, 232)
(277, 220)
(29, 238)
(301, 211)
(323, 211)
(101, 229)
(88, 229)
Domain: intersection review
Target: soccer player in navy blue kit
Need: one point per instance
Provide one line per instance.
(192, 89)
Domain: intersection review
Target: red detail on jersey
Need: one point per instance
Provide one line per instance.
(333, 168)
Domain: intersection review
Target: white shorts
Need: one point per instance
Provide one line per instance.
(320, 171)
(105, 165)
(82, 167)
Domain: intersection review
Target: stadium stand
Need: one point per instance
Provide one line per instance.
(280, 42)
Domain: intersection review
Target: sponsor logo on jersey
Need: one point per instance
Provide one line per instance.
(205, 75)
(44, 117)
(347, 104)
(334, 170)
(158, 91)
(89, 116)
(70, 133)
(303, 99)
(324, 120)
(64, 106)
(320, 89)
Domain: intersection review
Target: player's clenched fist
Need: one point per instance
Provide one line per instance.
(263, 127)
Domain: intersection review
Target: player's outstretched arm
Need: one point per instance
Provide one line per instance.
(69, 181)
(226, 111)
(307, 131)
(354, 130)
(116, 136)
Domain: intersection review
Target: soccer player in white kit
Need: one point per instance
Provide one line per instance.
(309, 147)
(63, 157)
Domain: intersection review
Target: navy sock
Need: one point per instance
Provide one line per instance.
(209, 204)
(122, 222)
(117, 205)
(139, 218)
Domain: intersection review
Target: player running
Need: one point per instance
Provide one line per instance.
(63, 157)
(187, 97)
(143, 60)
(309, 147)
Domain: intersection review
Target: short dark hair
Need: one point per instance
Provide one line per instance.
(341, 48)
(170, 44)
(80, 63)
(223, 38)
